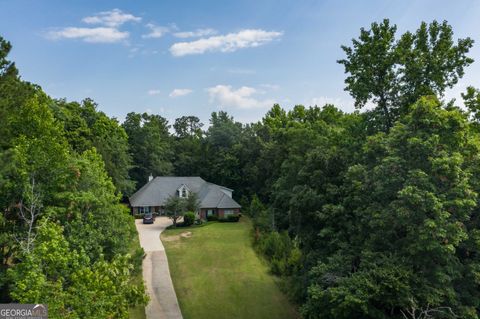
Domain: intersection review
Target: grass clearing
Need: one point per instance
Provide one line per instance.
(217, 274)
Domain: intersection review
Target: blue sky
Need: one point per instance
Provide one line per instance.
(177, 58)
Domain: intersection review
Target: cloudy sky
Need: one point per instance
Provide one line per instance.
(179, 58)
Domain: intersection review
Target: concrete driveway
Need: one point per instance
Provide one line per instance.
(163, 300)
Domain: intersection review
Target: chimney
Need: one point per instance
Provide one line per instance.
(150, 178)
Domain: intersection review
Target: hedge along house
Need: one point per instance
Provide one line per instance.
(215, 200)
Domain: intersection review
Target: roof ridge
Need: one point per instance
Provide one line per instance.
(221, 198)
(220, 186)
(178, 176)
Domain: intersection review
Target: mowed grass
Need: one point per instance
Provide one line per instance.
(217, 274)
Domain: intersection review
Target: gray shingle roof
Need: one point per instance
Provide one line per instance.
(227, 202)
(156, 192)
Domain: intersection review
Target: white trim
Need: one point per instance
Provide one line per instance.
(183, 191)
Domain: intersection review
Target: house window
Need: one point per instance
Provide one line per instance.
(209, 212)
(184, 192)
(143, 210)
(227, 212)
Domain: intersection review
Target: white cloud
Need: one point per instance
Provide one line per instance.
(179, 92)
(154, 92)
(106, 32)
(92, 35)
(241, 98)
(225, 43)
(113, 18)
(155, 31)
(196, 33)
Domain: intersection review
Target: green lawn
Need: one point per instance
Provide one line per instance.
(217, 274)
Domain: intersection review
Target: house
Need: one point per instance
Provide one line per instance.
(215, 200)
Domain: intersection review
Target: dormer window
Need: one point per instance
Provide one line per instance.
(183, 191)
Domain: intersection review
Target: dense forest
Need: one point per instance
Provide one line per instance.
(370, 214)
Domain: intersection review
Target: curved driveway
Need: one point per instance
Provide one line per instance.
(163, 302)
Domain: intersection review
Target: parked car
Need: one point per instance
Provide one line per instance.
(148, 218)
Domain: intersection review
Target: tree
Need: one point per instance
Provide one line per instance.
(52, 273)
(150, 146)
(187, 146)
(188, 126)
(223, 131)
(7, 68)
(175, 208)
(262, 217)
(111, 142)
(29, 210)
(393, 74)
(430, 61)
(13, 93)
(371, 65)
(192, 203)
(85, 127)
(256, 207)
(220, 163)
(471, 99)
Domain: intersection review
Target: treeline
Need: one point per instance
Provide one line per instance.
(376, 214)
(369, 214)
(65, 238)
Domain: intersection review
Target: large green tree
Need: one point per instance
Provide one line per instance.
(393, 73)
(371, 67)
(150, 146)
(86, 127)
(187, 146)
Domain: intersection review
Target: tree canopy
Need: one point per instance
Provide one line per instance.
(393, 73)
(65, 238)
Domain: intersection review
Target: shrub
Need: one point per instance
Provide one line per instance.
(188, 218)
(284, 257)
(230, 219)
(212, 218)
(256, 207)
(233, 218)
(137, 259)
(263, 220)
(138, 216)
(278, 266)
(273, 246)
